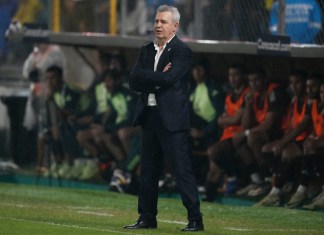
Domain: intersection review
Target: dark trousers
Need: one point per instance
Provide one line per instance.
(157, 142)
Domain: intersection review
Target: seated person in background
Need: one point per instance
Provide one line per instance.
(118, 62)
(61, 103)
(117, 133)
(206, 100)
(263, 110)
(80, 117)
(68, 102)
(206, 105)
(221, 153)
(313, 160)
(54, 84)
(287, 149)
(85, 136)
(314, 147)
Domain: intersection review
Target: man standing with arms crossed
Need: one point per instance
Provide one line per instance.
(161, 76)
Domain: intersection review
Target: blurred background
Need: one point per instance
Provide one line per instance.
(202, 21)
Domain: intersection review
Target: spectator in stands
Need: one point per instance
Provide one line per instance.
(186, 9)
(287, 149)
(217, 20)
(136, 21)
(206, 105)
(250, 19)
(7, 10)
(234, 19)
(303, 20)
(77, 16)
(28, 11)
(44, 16)
(221, 153)
(320, 35)
(264, 107)
(312, 162)
(102, 15)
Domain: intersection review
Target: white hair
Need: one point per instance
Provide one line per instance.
(173, 10)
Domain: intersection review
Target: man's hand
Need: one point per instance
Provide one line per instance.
(167, 67)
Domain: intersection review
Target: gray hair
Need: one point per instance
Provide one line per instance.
(173, 10)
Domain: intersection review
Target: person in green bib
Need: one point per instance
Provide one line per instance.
(206, 104)
(206, 100)
(116, 133)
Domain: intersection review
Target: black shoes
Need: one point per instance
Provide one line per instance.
(142, 224)
(194, 226)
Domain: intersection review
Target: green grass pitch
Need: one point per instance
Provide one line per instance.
(50, 210)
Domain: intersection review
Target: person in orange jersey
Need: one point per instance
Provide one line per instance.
(262, 122)
(222, 153)
(284, 151)
(313, 160)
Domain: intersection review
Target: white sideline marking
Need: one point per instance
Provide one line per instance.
(86, 208)
(238, 229)
(270, 230)
(94, 213)
(68, 226)
(172, 221)
(16, 205)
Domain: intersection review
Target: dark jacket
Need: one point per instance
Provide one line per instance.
(170, 88)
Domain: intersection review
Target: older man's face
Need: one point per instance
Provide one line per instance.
(164, 27)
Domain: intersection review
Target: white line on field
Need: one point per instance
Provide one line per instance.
(271, 230)
(86, 208)
(171, 221)
(94, 213)
(11, 204)
(67, 226)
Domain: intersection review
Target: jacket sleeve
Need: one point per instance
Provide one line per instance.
(135, 80)
(180, 65)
